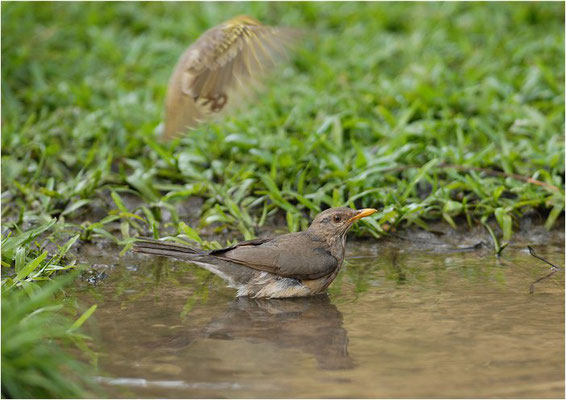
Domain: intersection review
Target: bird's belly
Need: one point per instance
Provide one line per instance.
(318, 285)
(266, 285)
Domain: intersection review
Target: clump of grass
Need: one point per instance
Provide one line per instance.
(31, 264)
(36, 362)
(36, 333)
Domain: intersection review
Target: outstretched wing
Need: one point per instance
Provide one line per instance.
(226, 62)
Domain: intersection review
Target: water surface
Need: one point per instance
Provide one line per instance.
(404, 319)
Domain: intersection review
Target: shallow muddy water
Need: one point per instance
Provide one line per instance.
(403, 319)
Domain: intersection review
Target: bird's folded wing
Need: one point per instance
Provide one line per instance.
(301, 259)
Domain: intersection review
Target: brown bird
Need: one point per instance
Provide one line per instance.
(291, 265)
(226, 61)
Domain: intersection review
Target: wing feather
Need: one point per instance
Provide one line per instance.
(286, 255)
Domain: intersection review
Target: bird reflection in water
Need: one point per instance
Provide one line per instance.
(312, 325)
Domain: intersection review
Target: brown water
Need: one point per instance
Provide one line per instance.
(403, 319)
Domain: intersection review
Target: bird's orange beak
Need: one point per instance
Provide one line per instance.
(362, 213)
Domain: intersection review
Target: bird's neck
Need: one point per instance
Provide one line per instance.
(335, 243)
(338, 246)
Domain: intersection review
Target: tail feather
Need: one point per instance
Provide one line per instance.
(168, 249)
(236, 275)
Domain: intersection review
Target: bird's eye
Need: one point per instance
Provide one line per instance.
(336, 218)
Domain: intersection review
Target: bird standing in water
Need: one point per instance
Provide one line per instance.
(291, 265)
(226, 61)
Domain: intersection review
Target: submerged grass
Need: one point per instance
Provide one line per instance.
(427, 111)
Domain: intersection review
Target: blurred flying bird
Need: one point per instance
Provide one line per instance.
(227, 61)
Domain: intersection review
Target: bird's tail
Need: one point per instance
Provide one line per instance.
(234, 274)
(167, 249)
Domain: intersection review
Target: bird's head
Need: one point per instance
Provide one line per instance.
(335, 222)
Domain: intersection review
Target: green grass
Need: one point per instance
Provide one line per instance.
(37, 335)
(37, 326)
(404, 107)
(427, 111)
